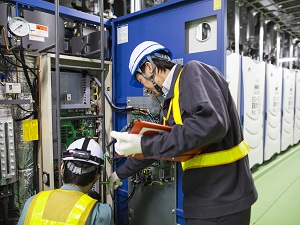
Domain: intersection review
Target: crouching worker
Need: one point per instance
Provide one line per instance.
(70, 204)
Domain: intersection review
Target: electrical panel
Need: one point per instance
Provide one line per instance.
(79, 107)
(74, 90)
(154, 185)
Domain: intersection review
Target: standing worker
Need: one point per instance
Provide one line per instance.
(80, 169)
(217, 183)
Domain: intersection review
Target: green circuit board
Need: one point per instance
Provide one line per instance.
(72, 130)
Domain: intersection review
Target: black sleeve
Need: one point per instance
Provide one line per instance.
(132, 166)
(204, 112)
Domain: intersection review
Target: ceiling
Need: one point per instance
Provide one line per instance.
(285, 13)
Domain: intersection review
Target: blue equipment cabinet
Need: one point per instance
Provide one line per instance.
(191, 30)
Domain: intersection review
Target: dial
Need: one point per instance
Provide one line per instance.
(19, 27)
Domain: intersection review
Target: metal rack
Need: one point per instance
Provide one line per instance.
(69, 13)
(57, 72)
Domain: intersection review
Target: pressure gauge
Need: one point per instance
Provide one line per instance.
(19, 27)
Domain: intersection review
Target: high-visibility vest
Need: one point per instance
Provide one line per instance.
(59, 207)
(205, 159)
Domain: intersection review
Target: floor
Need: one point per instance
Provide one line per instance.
(278, 186)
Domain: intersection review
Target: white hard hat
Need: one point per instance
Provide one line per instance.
(85, 150)
(139, 55)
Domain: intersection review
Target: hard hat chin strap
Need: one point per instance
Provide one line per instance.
(157, 88)
(151, 77)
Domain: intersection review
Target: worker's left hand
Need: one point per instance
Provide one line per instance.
(127, 144)
(114, 182)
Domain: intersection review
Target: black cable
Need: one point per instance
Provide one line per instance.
(26, 74)
(35, 166)
(7, 69)
(14, 64)
(32, 89)
(107, 97)
(33, 113)
(30, 111)
(24, 118)
(8, 60)
(113, 161)
(22, 60)
(128, 198)
(36, 95)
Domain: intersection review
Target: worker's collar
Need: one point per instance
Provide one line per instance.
(168, 81)
(70, 188)
(172, 76)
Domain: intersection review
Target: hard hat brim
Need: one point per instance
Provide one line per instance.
(134, 83)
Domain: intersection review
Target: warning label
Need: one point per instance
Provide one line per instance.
(30, 130)
(38, 32)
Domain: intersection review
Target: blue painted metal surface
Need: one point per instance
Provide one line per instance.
(165, 24)
(64, 11)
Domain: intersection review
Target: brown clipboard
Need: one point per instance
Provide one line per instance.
(145, 128)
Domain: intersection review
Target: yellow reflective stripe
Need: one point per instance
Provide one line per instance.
(84, 203)
(217, 158)
(206, 159)
(176, 108)
(165, 118)
(87, 211)
(38, 210)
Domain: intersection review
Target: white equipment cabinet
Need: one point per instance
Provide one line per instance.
(288, 99)
(297, 108)
(233, 76)
(273, 110)
(253, 86)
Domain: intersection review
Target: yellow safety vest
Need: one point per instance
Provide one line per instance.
(59, 207)
(206, 159)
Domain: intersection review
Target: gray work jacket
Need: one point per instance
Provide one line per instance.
(209, 118)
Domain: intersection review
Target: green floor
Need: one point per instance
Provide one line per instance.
(278, 186)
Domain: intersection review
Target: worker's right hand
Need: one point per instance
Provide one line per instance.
(114, 181)
(127, 144)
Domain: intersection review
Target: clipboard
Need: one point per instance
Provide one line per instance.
(145, 128)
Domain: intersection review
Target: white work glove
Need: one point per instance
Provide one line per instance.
(127, 144)
(114, 181)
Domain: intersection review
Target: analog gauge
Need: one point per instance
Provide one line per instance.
(19, 27)
(203, 32)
